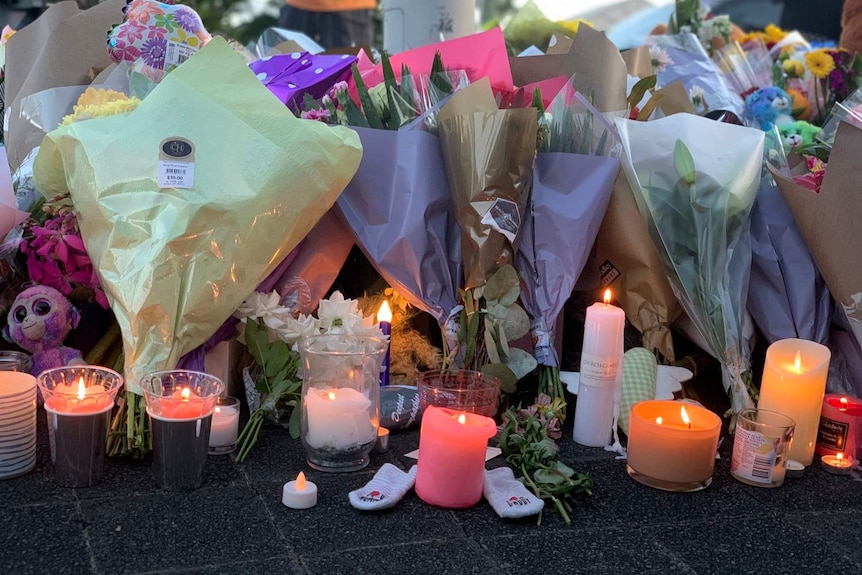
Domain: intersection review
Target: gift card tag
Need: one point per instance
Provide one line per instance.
(176, 163)
(177, 53)
(503, 216)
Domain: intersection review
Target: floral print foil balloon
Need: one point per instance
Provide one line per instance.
(156, 37)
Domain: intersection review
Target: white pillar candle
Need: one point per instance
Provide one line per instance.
(601, 369)
(794, 381)
(338, 418)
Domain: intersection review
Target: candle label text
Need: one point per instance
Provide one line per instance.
(754, 455)
(599, 370)
(832, 434)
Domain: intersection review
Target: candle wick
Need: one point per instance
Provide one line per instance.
(689, 425)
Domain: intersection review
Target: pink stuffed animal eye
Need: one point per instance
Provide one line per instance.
(20, 313)
(41, 307)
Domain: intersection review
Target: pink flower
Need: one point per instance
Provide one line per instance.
(320, 114)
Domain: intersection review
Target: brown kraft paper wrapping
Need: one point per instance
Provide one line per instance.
(489, 159)
(829, 222)
(64, 47)
(630, 266)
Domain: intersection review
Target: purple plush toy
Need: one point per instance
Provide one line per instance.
(39, 321)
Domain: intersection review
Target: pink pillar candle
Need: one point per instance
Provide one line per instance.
(840, 426)
(451, 467)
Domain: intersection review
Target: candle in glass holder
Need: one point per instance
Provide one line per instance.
(601, 371)
(840, 425)
(384, 320)
(451, 467)
(225, 426)
(338, 418)
(672, 445)
(794, 381)
(78, 402)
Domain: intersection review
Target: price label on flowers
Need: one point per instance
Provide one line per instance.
(176, 164)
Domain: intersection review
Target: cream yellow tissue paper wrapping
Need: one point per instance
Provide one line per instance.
(176, 262)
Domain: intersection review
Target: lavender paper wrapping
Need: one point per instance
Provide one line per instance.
(290, 76)
(787, 297)
(400, 210)
(693, 67)
(570, 195)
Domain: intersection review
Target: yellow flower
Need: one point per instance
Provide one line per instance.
(572, 25)
(97, 103)
(774, 33)
(752, 36)
(794, 68)
(820, 63)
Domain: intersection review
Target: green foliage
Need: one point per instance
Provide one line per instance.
(528, 446)
(277, 383)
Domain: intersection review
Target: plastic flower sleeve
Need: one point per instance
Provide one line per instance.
(570, 195)
(400, 210)
(787, 297)
(695, 181)
(177, 261)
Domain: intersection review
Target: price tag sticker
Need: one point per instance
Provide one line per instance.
(176, 163)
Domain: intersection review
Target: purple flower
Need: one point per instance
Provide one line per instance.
(187, 19)
(153, 52)
(837, 83)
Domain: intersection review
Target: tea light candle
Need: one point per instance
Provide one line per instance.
(672, 445)
(601, 365)
(184, 403)
(78, 397)
(836, 464)
(384, 320)
(794, 381)
(299, 493)
(840, 425)
(338, 418)
(451, 467)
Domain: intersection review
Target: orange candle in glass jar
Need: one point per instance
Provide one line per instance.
(451, 467)
(673, 442)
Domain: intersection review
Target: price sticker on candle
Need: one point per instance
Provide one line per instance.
(176, 163)
(754, 455)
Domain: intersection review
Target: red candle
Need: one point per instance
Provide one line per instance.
(78, 397)
(184, 403)
(451, 466)
(840, 426)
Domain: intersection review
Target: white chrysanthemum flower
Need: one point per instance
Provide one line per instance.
(659, 58)
(297, 328)
(337, 312)
(265, 306)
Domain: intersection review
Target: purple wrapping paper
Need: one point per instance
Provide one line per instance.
(290, 76)
(570, 195)
(400, 210)
(787, 296)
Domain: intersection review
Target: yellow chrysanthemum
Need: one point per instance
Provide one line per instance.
(572, 25)
(774, 33)
(752, 36)
(820, 63)
(794, 68)
(97, 103)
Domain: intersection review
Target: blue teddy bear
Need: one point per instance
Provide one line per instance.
(769, 107)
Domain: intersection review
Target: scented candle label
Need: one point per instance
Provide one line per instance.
(599, 370)
(832, 434)
(754, 455)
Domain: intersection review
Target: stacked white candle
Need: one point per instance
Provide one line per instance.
(601, 373)
(17, 423)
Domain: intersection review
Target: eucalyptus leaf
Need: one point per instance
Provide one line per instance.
(499, 284)
(491, 344)
(511, 296)
(516, 323)
(508, 380)
(520, 362)
(496, 310)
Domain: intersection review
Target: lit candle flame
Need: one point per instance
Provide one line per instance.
(839, 457)
(659, 420)
(462, 419)
(218, 409)
(300, 481)
(331, 395)
(186, 393)
(607, 297)
(82, 389)
(684, 416)
(843, 402)
(384, 313)
(797, 363)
